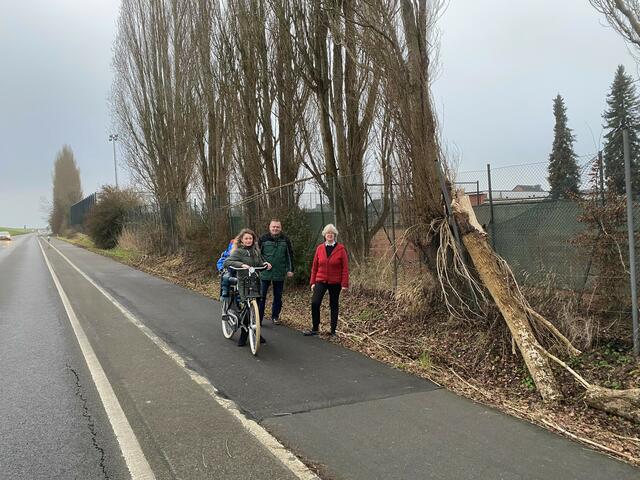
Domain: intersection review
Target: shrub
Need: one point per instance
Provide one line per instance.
(107, 218)
(297, 227)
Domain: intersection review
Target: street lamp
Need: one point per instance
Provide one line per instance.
(114, 138)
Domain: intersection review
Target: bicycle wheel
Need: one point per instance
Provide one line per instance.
(254, 327)
(229, 319)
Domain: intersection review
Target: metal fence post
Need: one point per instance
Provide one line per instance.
(601, 173)
(366, 208)
(321, 194)
(631, 233)
(447, 201)
(230, 214)
(393, 239)
(491, 219)
(335, 205)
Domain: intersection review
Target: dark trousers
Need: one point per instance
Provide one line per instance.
(318, 294)
(276, 306)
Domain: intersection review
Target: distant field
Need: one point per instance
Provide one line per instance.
(15, 231)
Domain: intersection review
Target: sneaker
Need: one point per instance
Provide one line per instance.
(275, 321)
(310, 333)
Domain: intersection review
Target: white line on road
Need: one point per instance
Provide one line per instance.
(287, 458)
(131, 450)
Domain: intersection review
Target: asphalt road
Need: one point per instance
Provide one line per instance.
(352, 417)
(52, 424)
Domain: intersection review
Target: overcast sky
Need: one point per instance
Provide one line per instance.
(502, 63)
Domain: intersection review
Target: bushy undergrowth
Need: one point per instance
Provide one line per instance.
(297, 228)
(105, 221)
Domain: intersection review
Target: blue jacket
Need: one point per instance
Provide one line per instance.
(223, 257)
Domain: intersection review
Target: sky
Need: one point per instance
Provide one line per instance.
(501, 64)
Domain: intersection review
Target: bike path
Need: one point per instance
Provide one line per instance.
(354, 417)
(184, 433)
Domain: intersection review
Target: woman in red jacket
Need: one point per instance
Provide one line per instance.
(330, 271)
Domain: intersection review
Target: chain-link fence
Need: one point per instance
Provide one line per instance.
(534, 232)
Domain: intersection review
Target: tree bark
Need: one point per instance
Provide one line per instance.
(498, 282)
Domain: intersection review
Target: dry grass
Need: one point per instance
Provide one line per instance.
(130, 240)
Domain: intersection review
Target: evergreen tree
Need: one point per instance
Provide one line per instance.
(564, 176)
(622, 107)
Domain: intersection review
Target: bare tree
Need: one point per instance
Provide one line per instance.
(211, 123)
(67, 189)
(246, 56)
(154, 101)
(623, 16)
(335, 61)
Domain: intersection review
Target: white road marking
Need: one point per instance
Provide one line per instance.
(287, 458)
(131, 450)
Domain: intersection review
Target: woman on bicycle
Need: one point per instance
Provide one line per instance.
(244, 254)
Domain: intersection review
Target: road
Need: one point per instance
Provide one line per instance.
(200, 407)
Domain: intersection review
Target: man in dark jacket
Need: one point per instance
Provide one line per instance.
(276, 249)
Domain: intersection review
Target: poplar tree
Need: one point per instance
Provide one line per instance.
(67, 189)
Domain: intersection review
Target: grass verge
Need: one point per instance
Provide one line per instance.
(15, 231)
(117, 253)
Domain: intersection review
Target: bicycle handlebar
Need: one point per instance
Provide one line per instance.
(264, 267)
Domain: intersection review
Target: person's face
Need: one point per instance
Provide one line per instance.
(330, 237)
(275, 228)
(247, 240)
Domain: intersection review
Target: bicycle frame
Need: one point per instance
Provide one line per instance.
(248, 317)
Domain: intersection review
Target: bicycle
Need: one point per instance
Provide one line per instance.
(244, 290)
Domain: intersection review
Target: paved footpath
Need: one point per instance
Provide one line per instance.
(353, 417)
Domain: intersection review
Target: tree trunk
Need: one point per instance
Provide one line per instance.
(624, 403)
(497, 281)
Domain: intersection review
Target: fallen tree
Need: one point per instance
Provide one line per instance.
(498, 279)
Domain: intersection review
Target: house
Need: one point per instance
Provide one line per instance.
(528, 188)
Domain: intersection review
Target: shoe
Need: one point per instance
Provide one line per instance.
(310, 333)
(262, 339)
(275, 321)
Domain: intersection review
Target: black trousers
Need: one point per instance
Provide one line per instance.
(318, 294)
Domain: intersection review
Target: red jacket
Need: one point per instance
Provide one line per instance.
(332, 270)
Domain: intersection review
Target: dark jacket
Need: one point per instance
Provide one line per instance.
(333, 269)
(240, 255)
(279, 253)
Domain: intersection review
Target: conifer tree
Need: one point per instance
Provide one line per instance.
(622, 108)
(564, 176)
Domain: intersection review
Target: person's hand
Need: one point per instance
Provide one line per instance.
(345, 289)
(268, 265)
(244, 265)
(289, 274)
(313, 285)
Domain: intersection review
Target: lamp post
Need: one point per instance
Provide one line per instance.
(114, 138)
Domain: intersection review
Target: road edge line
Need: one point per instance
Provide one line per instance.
(277, 449)
(135, 460)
